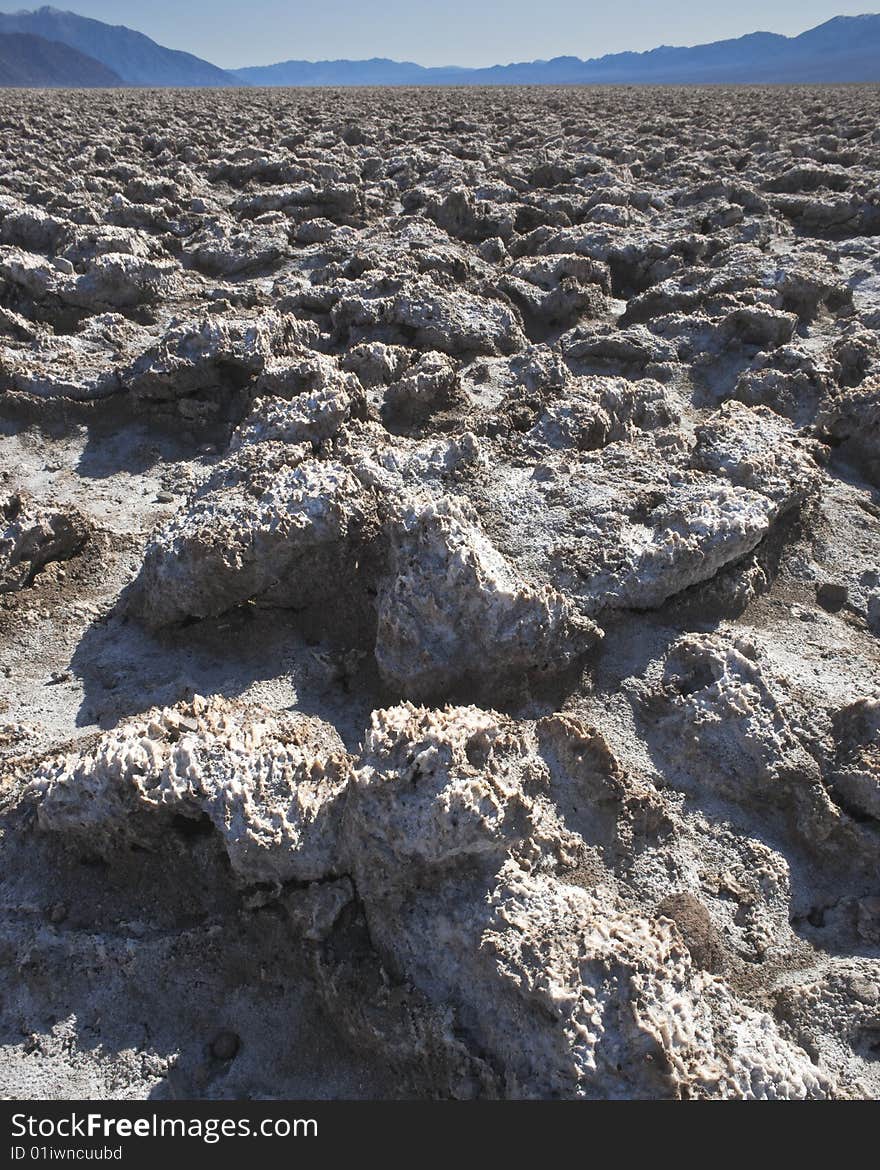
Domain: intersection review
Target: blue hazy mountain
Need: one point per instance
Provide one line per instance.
(374, 71)
(844, 49)
(133, 57)
(30, 60)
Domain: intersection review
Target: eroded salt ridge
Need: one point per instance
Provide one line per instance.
(455, 833)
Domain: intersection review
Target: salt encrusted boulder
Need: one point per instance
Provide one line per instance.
(634, 349)
(440, 787)
(304, 397)
(854, 775)
(452, 842)
(727, 724)
(756, 449)
(834, 217)
(284, 530)
(808, 178)
(686, 293)
(682, 539)
(100, 239)
(758, 325)
(37, 285)
(428, 464)
(808, 286)
(439, 793)
(207, 360)
(135, 216)
(646, 528)
(790, 380)
(119, 280)
(548, 271)
(452, 610)
(428, 384)
(853, 419)
(32, 535)
(467, 218)
(558, 290)
(833, 1013)
(421, 313)
(754, 299)
(620, 517)
(35, 230)
(622, 1010)
(224, 248)
(271, 785)
(375, 363)
(307, 418)
(274, 525)
(595, 411)
(337, 202)
(313, 231)
(85, 365)
(537, 368)
(301, 370)
(110, 281)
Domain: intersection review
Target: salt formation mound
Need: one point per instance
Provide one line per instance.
(447, 829)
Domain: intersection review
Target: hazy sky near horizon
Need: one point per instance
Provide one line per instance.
(446, 32)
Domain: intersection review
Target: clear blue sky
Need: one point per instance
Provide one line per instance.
(446, 32)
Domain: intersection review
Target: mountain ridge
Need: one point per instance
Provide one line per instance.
(136, 58)
(31, 61)
(844, 48)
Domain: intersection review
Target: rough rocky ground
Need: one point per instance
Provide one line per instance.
(440, 592)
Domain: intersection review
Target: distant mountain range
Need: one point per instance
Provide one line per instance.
(845, 49)
(134, 58)
(29, 60)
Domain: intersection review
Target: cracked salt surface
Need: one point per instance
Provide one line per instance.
(439, 594)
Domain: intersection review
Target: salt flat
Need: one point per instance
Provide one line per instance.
(439, 593)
